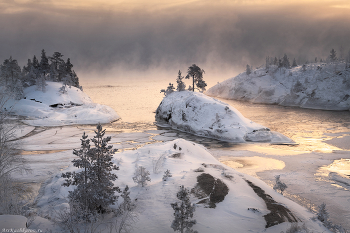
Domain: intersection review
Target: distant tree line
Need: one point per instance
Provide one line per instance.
(14, 79)
(284, 62)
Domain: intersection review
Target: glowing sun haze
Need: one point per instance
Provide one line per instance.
(171, 35)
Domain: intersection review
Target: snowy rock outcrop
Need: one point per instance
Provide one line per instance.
(53, 108)
(315, 86)
(204, 116)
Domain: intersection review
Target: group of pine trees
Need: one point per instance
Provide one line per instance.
(13, 79)
(95, 191)
(193, 72)
(285, 63)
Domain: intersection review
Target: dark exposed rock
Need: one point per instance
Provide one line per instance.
(278, 213)
(214, 189)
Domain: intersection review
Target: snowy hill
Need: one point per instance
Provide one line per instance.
(316, 86)
(204, 116)
(242, 203)
(53, 108)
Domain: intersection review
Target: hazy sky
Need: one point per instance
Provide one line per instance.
(143, 35)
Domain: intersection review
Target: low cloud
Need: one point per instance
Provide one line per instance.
(139, 36)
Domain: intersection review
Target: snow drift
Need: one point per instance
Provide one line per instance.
(316, 86)
(52, 108)
(242, 209)
(204, 116)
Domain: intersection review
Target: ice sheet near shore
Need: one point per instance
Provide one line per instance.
(182, 158)
(52, 108)
(319, 86)
(204, 116)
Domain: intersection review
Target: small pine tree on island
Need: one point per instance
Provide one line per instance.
(180, 84)
(183, 212)
(197, 77)
(170, 89)
(294, 63)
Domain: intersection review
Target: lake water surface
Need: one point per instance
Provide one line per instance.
(316, 170)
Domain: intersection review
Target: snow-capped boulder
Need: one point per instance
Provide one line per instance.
(204, 116)
(53, 108)
(316, 86)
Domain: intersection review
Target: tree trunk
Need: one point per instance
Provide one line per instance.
(193, 83)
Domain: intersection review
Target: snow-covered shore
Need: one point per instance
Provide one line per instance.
(204, 116)
(53, 108)
(316, 86)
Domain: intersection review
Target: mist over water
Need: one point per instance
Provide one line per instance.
(116, 36)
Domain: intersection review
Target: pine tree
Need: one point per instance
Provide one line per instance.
(285, 61)
(28, 74)
(95, 190)
(35, 62)
(248, 70)
(170, 89)
(44, 66)
(333, 55)
(127, 204)
(56, 62)
(183, 212)
(197, 77)
(61, 71)
(294, 63)
(125, 214)
(275, 61)
(180, 84)
(56, 59)
(69, 67)
(322, 213)
(141, 176)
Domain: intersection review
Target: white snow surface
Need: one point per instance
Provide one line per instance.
(320, 86)
(74, 107)
(153, 201)
(196, 113)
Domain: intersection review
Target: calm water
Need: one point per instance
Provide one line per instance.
(137, 102)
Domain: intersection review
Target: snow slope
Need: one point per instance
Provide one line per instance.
(320, 86)
(52, 108)
(204, 116)
(183, 158)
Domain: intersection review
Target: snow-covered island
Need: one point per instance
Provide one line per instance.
(198, 114)
(48, 93)
(224, 199)
(314, 85)
(54, 108)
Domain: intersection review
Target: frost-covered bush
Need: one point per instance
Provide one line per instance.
(279, 185)
(170, 89)
(141, 176)
(126, 216)
(294, 228)
(183, 212)
(166, 175)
